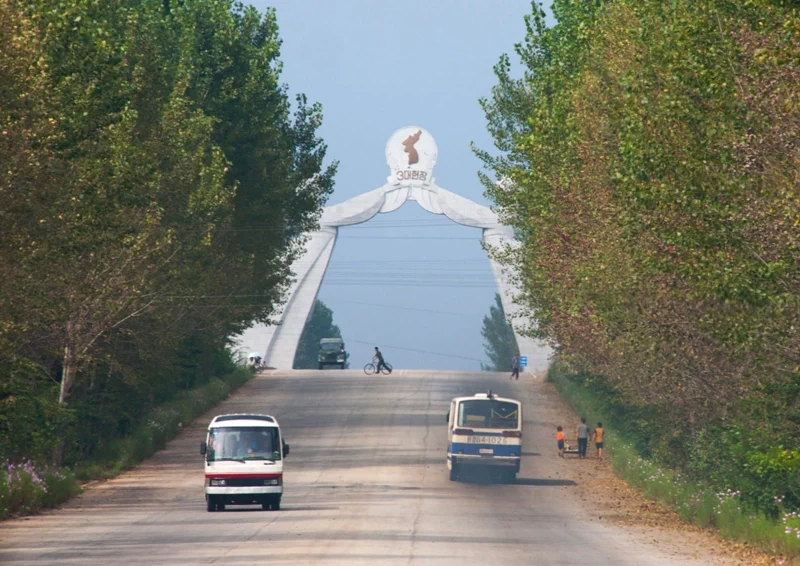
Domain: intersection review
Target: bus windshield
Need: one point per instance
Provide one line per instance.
(244, 443)
(488, 413)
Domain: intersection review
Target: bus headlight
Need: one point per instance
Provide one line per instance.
(217, 483)
(273, 481)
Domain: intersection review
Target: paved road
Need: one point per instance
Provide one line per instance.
(366, 483)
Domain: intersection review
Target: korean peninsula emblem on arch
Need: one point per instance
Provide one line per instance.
(411, 154)
(410, 141)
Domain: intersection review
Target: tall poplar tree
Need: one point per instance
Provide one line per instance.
(500, 343)
(319, 325)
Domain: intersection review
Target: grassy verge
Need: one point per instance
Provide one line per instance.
(694, 501)
(26, 488)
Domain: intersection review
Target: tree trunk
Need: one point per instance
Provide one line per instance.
(67, 378)
(68, 370)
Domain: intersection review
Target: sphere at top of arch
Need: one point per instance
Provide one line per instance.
(411, 148)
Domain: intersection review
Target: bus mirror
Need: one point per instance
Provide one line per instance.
(447, 418)
(285, 450)
(203, 448)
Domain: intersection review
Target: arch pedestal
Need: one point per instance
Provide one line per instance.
(411, 182)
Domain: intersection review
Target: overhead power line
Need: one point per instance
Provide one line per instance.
(400, 307)
(261, 228)
(334, 263)
(412, 284)
(409, 238)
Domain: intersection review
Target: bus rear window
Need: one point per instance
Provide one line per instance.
(488, 414)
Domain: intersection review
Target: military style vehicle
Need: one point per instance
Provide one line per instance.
(332, 353)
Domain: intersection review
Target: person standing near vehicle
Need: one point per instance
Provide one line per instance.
(515, 367)
(378, 356)
(583, 438)
(599, 433)
(560, 441)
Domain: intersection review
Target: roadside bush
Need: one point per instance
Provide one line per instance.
(31, 420)
(26, 488)
(159, 426)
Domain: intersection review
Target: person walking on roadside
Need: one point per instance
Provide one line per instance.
(599, 433)
(515, 367)
(560, 441)
(582, 432)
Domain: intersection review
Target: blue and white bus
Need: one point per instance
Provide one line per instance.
(484, 431)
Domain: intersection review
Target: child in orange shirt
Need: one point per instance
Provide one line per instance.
(599, 433)
(560, 439)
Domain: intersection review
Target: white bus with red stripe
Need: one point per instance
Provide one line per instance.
(244, 461)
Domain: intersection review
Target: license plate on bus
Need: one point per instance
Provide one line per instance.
(487, 451)
(487, 440)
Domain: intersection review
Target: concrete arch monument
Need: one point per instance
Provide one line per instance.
(411, 154)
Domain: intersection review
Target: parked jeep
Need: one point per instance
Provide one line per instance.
(332, 353)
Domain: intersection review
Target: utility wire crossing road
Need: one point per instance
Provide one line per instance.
(365, 483)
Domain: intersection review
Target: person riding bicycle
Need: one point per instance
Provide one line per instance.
(379, 357)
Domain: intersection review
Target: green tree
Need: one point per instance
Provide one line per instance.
(157, 182)
(500, 343)
(648, 164)
(319, 325)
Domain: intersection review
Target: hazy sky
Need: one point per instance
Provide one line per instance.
(406, 279)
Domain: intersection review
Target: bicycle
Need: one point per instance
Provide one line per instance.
(369, 369)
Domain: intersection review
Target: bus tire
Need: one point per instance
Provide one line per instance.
(211, 503)
(453, 471)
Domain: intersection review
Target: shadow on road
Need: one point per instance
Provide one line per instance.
(543, 482)
(493, 479)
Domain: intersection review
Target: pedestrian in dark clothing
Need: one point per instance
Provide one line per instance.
(515, 368)
(582, 432)
(381, 364)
